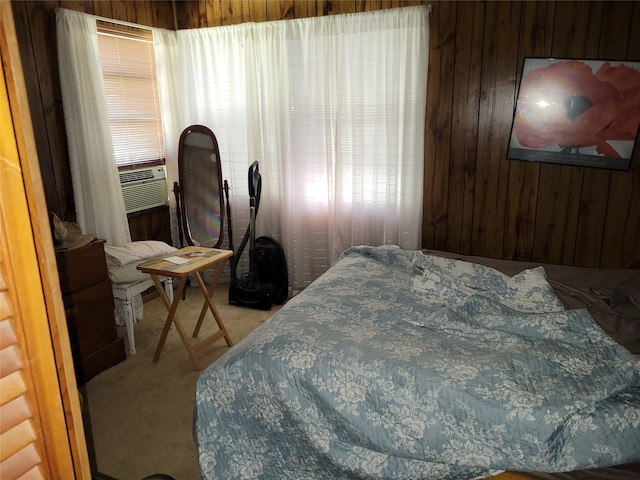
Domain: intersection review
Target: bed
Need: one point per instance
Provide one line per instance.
(401, 364)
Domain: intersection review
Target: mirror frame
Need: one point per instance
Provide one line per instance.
(184, 229)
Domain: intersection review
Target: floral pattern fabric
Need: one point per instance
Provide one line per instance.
(399, 365)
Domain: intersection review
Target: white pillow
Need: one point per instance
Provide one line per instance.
(136, 251)
(128, 273)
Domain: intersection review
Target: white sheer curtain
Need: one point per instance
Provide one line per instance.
(167, 57)
(343, 133)
(332, 107)
(204, 79)
(98, 199)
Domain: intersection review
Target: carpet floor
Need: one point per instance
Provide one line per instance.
(140, 412)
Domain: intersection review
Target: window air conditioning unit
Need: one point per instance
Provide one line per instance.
(144, 188)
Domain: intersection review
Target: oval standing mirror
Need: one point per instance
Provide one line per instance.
(199, 190)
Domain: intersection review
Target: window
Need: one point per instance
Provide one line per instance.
(128, 65)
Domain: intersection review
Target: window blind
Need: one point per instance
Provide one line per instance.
(128, 65)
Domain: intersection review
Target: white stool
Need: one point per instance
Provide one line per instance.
(127, 291)
(127, 281)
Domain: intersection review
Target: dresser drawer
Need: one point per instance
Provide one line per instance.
(90, 318)
(82, 267)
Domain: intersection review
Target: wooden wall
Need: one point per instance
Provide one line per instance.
(476, 201)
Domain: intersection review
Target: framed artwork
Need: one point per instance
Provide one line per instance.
(577, 112)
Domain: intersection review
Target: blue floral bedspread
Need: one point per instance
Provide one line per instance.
(398, 365)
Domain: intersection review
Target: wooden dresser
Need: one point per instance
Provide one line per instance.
(89, 308)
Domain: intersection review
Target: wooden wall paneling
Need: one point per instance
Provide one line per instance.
(256, 11)
(42, 20)
(344, 6)
(304, 9)
(622, 219)
(369, 6)
(188, 14)
(440, 81)
(464, 129)
(217, 12)
(78, 5)
(621, 239)
(631, 238)
(556, 218)
(143, 13)
(595, 199)
(154, 13)
(384, 4)
(151, 225)
(203, 13)
(535, 41)
(123, 10)
(556, 222)
(102, 9)
(575, 35)
(634, 33)
(272, 11)
(230, 12)
(282, 9)
(53, 178)
(629, 255)
(499, 64)
(210, 13)
(593, 208)
(163, 14)
(617, 23)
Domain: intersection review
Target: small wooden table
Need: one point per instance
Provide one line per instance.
(192, 261)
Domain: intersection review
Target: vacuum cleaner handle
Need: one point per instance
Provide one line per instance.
(255, 188)
(254, 180)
